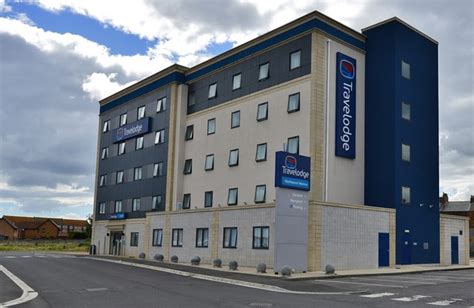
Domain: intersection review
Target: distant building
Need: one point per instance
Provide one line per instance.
(18, 227)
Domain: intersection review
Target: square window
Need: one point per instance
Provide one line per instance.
(102, 208)
(261, 154)
(157, 202)
(293, 145)
(191, 99)
(405, 70)
(294, 102)
(405, 152)
(160, 136)
(161, 104)
(295, 59)
(158, 169)
(260, 193)
(406, 192)
(188, 166)
(141, 112)
(235, 119)
(236, 81)
(208, 198)
(209, 165)
(177, 238)
(212, 90)
(123, 119)
(106, 126)
(121, 148)
(157, 240)
(261, 238)
(262, 111)
(105, 153)
(264, 71)
(139, 143)
(134, 239)
(189, 132)
(233, 196)
(103, 179)
(406, 111)
(234, 158)
(137, 174)
(230, 238)
(211, 126)
(186, 201)
(202, 237)
(118, 206)
(135, 205)
(119, 177)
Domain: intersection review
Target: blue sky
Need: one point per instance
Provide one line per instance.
(59, 58)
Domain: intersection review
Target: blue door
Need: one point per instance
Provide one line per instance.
(406, 248)
(454, 250)
(384, 249)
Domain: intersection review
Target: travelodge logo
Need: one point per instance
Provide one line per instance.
(131, 130)
(347, 69)
(120, 133)
(290, 162)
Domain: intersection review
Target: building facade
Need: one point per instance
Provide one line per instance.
(186, 157)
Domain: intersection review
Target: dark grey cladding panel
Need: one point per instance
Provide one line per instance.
(279, 59)
(137, 189)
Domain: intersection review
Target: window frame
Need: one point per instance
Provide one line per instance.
(102, 207)
(179, 239)
(206, 193)
(209, 91)
(188, 166)
(189, 133)
(240, 81)
(408, 66)
(232, 119)
(121, 150)
(117, 177)
(264, 193)
(138, 112)
(186, 197)
(288, 145)
(157, 238)
(408, 106)
(161, 104)
(260, 78)
(134, 239)
(215, 126)
(403, 200)
(229, 243)
(123, 119)
(408, 148)
(161, 138)
(260, 244)
(104, 153)
(106, 126)
(291, 57)
(103, 180)
(236, 189)
(206, 160)
(298, 105)
(158, 169)
(191, 99)
(204, 231)
(140, 172)
(136, 204)
(159, 202)
(266, 111)
(120, 203)
(236, 163)
(256, 152)
(139, 145)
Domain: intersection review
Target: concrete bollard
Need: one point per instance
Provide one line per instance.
(159, 257)
(195, 260)
(261, 268)
(217, 263)
(174, 259)
(233, 265)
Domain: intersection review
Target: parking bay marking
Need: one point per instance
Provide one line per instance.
(377, 295)
(28, 293)
(445, 302)
(397, 281)
(410, 299)
(359, 283)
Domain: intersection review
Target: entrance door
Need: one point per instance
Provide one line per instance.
(384, 249)
(406, 248)
(454, 250)
(115, 243)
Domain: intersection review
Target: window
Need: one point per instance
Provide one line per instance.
(262, 111)
(209, 165)
(405, 70)
(119, 177)
(177, 238)
(234, 158)
(157, 237)
(405, 152)
(212, 90)
(191, 99)
(160, 136)
(158, 169)
(188, 166)
(135, 204)
(208, 196)
(137, 174)
(264, 71)
(211, 126)
(295, 59)
(157, 202)
(121, 148)
(261, 237)
(106, 126)
(202, 237)
(139, 143)
(134, 239)
(141, 112)
(236, 81)
(102, 208)
(186, 201)
(260, 193)
(294, 102)
(406, 111)
(261, 154)
(161, 104)
(294, 145)
(105, 153)
(103, 179)
(406, 195)
(230, 238)
(232, 198)
(123, 119)
(118, 206)
(235, 119)
(189, 132)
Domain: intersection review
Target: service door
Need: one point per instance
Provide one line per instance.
(384, 249)
(454, 250)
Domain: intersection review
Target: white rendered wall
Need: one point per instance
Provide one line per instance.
(452, 227)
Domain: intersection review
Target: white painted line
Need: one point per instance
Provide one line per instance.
(359, 283)
(240, 283)
(396, 281)
(410, 299)
(27, 295)
(10, 257)
(377, 295)
(96, 289)
(445, 302)
(424, 279)
(26, 256)
(469, 277)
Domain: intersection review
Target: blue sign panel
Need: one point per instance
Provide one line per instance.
(117, 216)
(345, 106)
(292, 171)
(131, 130)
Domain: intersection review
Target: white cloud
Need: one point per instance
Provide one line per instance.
(100, 85)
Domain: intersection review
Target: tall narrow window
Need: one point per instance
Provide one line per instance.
(118, 206)
(188, 166)
(102, 208)
(119, 177)
(106, 126)
(134, 239)
(212, 90)
(230, 238)
(189, 132)
(406, 192)
(264, 71)
(161, 104)
(135, 204)
(157, 240)
(137, 174)
(139, 143)
(406, 111)
(158, 169)
(262, 111)
(405, 152)
(202, 237)
(191, 99)
(177, 238)
(157, 202)
(103, 179)
(234, 158)
(208, 196)
(295, 59)
(294, 102)
(121, 148)
(186, 201)
(209, 165)
(140, 112)
(211, 126)
(123, 119)
(261, 154)
(261, 238)
(105, 153)
(160, 136)
(236, 81)
(260, 193)
(233, 196)
(405, 70)
(293, 145)
(235, 119)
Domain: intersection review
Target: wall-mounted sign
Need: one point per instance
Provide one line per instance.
(117, 216)
(292, 171)
(345, 106)
(131, 130)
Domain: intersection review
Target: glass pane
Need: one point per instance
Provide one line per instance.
(260, 194)
(294, 102)
(405, 70)
(295, 59)
(233, 238)
(236, 81)
(405, 152)
(262, 111)
(405, 194)
(236, 119)
(205, 240)
(293, 145)
(226, 237)
(406, 111)
(257, 237)
(212, 90)
(211, 126)
(261, 151)
(263, 71)
(199, 237)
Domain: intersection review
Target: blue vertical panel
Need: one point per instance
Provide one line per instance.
(384, 249)
(454, 250)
